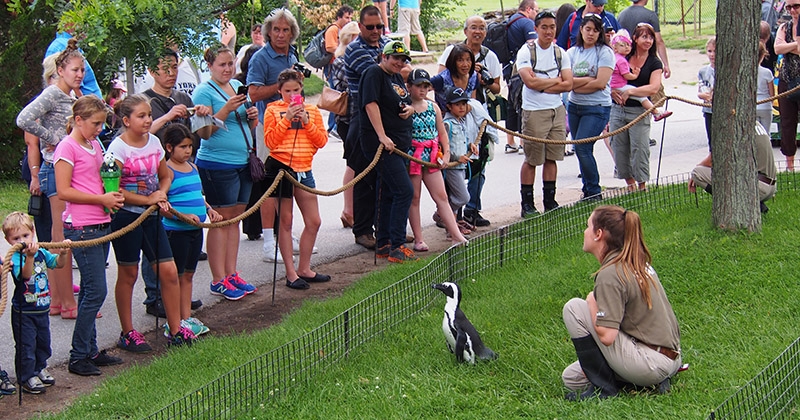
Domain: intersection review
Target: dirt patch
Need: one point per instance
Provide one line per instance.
(224, 318)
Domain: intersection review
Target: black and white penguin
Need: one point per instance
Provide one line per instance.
(461, 337)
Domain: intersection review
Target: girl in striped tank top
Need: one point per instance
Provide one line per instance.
(186, 196)
(425, 145)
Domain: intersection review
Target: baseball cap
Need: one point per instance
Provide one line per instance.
(418, 77)
(455, 94)
(599, 2)
(117, 84)
(396, 48)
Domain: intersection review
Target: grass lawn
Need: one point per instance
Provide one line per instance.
(734, 295)
(15, 197)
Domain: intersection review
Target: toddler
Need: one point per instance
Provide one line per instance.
(621, 42)
(461, 149)
(30, 315)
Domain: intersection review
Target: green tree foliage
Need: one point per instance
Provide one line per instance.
(21, 53)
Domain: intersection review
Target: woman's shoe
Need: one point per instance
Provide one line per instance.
(298, 284)
(420, 246)
(347, 220)
(55, 310)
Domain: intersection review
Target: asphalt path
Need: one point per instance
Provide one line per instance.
(684, 144)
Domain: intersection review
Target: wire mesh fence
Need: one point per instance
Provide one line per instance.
(295, 363)
(772, 394)
(674, 12)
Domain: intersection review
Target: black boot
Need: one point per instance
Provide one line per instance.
(708, 188)
(549, 195)
(528, 209)
(596, 369)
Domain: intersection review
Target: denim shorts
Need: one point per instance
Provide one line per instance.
(150, 238)
(226, 187)
(186, 246)
(307, 179)
(47, 179)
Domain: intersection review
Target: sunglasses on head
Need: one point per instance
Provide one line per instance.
(645, 24)
(544, 14)
(373, 27)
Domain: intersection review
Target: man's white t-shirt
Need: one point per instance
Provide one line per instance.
(546, 67)
(490, 62)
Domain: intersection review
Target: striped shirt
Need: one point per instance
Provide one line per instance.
(293, 147)
(186, 196)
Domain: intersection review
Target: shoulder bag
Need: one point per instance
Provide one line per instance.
(333, 100)
(257, 170)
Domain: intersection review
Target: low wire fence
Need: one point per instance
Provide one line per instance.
(295, 363)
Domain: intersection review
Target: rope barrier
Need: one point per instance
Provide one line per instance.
(182, 217)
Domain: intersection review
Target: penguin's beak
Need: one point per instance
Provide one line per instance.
(437, 286)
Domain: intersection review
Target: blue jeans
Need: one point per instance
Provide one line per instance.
(92, 266)
(475, 187)
(394, 199)
(32, 336)
(587, 121)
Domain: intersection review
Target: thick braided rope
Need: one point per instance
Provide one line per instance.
(77, 244)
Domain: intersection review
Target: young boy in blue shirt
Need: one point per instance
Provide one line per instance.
(30, 314)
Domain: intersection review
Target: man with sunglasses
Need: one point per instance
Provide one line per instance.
(360, 55)
(636, 14)
(543, 112)
(566, 38)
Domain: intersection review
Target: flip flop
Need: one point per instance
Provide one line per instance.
(420, 247)
(55, 310)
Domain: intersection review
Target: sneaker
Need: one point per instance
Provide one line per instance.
(528, 210)
(6, 387)
(46, 378)
(511, 148)
(184, 336)
(196, 322)
(156, 309)
(83, 367)
(33, 385)
(653, 142)
(133, 342)
(226, 289)
(296, 247)
(367, 241)
(196, 328)
(268, 253)
(474, 218)
(402, 254)
(238, 282)
(104, 359)
(383, 252)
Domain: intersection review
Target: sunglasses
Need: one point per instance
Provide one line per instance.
(792, 6)
(373, 27)
(544, 14)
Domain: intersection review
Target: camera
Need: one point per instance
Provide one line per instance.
(486, 78)
(302, 69)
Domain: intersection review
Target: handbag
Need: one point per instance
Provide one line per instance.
(659, 95)
(497, 106)
(256, 166)
(333, 100)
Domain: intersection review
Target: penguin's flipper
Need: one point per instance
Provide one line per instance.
(461, 344)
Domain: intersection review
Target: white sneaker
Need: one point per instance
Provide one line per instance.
(296, 246)
(268, 253)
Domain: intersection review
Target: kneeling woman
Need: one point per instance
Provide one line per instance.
(625, 331)
(294, 131)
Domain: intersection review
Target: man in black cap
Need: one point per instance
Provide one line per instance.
(569, 34)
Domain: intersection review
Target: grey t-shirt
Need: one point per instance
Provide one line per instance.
(46, 117)
(587, 62)
(634, 15)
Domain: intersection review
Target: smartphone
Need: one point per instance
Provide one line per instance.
(242, 90)
(297, 100)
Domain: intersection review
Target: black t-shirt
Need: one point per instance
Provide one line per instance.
(161, 105)
(388, 91)
(650, 65)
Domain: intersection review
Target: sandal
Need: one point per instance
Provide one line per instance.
(55, 310)
(73, 313)
(420, 247)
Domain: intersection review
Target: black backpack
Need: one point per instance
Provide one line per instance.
(515, 83)
(314, 52)
(497, 39)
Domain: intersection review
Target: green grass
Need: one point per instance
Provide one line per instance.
(312, 85)
(15, 197)
(735, 296)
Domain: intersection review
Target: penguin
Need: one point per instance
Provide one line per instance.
(461, 337)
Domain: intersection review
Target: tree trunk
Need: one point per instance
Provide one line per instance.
(735, 199)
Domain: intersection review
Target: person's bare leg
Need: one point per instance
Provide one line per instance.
(790, 163)
(309, 208)
(232, 239)
(347, 211)
(414, 218)
(435, 185)
(186, 294)
(123, 294)
(170, 293)
(421, 39)
(285, 238)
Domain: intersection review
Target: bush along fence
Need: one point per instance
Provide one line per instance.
(273, 374)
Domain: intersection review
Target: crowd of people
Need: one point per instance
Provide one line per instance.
(576, 71)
